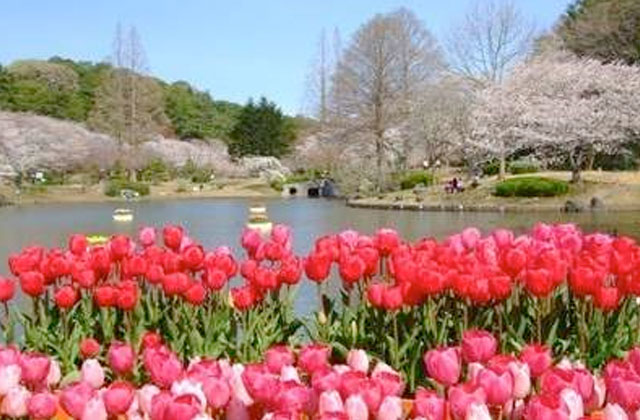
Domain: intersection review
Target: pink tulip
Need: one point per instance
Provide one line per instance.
(330, 402)
(358, 360)
(390, 409)
(470, 237)
(237, 410)
(35, 368)
(538, 358)
(74, 398)
(42, 406)
(145, 397)
(121, 358)
(356, 408)
(614, 412)
(15, 402)
(498, 385)
(95, 410)
(217, 392)
(443, 365)
(390, 383)
(10, 376)
(462, 396)
(314, 357)
(192, 388)
(277, 357)
(478, 346)
(289, 374)
(573, 402)
(159, 404)
(429, 405)
(54, 375)
(546, 407)
(183, 407)
(9, 356)
(521, 378)
(294, 399)
(163, 366)
(92, 373)
(478, 411)
(118, 398)
(147, 236)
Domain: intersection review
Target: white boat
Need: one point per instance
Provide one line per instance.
(258, 220)
(122, 215)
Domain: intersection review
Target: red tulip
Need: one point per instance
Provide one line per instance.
(214, 278)
(7, 289)
(607, 298)
(243, 298)
(136, 266)
(35, 368)
(375, 294)
(66, 297)
(120, 246)
(85, 278)
(193, 256)
(277, 357)
(32, 283)
(251, 240)
(478, 346)
(121, 358)
(42, 406)
(105, 296)
(175, 283)
(539, 282)
(370, 257)
(387, 240)
(352, 382)
(261, 385)
(74, 398)
(290, 271)
(89, 348)
(317, 266)
(314, 357)
(163, 366)
(151, 339)
(443, 365)
(196, 294)
(172, 236)
(118, 398)
(294, 399)
(78, 244)
(351, 269)
(392, 298)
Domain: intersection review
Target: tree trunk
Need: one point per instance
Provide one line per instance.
(576, 175)
(502, 173)
(379, 161)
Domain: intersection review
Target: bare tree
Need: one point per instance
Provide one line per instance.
(374, 84)
(319, 77)
(128, 104)
(492, 37)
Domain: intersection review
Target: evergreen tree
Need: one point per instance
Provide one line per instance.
(261, 130)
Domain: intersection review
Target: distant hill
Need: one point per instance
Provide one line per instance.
(85, 92)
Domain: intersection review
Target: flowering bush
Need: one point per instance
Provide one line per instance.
(469, 381)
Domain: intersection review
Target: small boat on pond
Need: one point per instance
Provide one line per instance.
(97, 239)
(122, 215)
(258, 219)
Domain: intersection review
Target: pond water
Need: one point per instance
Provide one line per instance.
(219, 222)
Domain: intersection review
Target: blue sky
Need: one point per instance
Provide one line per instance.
(234, 49)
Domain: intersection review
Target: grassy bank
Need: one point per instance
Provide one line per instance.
(229, 188)
(613, 191)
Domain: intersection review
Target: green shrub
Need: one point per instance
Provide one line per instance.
(491, 168)
(155, 172)
(531, 186)
(523, 167)
(196, 174)
(115, 187)
(411, 179)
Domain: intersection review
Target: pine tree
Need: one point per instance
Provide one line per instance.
(261, 130)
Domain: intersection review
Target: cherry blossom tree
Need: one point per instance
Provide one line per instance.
(561, 107)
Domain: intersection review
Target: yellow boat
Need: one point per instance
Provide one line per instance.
(97, 239)
(122, 215)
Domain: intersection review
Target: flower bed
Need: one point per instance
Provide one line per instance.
(572, 292)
